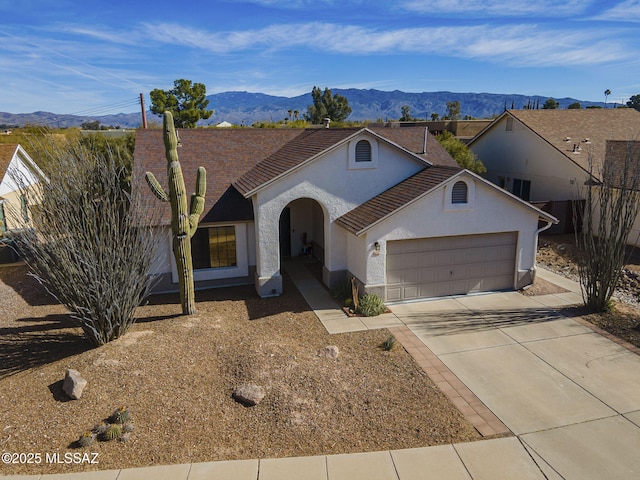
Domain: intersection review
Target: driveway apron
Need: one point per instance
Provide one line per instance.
(569, 394)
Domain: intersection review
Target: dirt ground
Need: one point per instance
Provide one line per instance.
(177, 374)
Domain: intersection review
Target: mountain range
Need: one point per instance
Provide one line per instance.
(245, 108)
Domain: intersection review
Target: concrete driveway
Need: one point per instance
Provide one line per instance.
(570, 395)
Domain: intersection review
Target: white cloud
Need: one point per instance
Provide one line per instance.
(626, 11)
(499, 8)
(518, 44)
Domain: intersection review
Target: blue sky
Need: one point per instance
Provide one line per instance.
(96, 57)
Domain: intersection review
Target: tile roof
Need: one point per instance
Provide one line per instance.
(225, 153)
(240, 160)
(596, 124)
(621, 155)
(396, 197)
(315, 141)
(7, 151)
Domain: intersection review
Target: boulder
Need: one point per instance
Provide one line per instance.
(248, 394)
(73, 384)
(330, 351)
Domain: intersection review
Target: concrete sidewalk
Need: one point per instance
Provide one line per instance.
(510, 363)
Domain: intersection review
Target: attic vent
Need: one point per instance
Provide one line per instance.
(363, 151)
(586, 140)
(459, 192)
(567, 139)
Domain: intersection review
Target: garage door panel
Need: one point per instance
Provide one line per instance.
(432, 267)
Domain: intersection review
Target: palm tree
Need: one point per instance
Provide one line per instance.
(607, 92)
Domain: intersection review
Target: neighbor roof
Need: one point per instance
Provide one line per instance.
(7, 152)
(623, 155)
(239, 160)
(587, 128)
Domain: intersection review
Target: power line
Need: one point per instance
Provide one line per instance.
(102, 110)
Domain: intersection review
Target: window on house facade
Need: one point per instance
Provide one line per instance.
(521, 188)
(214, 247)
(502, 182)
(363, 151)
(459, 193)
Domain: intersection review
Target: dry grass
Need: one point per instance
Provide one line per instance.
(177, 374)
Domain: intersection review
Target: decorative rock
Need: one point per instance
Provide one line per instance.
(330, 351)
(248, 395)
(73, 384)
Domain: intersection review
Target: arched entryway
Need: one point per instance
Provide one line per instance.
(301, 230)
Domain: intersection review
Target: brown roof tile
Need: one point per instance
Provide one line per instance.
(225, 153)
(241, 160)
(412, 139)
(305, 146)
(380, 206)
(7, 151)
(621, 154)
(596, 124)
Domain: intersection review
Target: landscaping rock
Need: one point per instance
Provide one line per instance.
(73, 384)
(330, 351)
(248, 395)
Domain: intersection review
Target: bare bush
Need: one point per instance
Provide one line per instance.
(87, 238)
(611, 207)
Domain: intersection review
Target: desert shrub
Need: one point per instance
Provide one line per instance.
(88, 239)
(389, 343)
(370, 305)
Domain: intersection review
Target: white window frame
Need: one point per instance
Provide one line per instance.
(448, 196)
(373, 163)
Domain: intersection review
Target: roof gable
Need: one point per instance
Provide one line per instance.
(391, 201)
(388, 202)
(580, 135)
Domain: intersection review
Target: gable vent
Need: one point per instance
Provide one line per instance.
(459, 192)
(363, 151)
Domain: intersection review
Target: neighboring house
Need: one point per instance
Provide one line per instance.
(544, 156)
(388, 206)
(15, 162)
(621, 155)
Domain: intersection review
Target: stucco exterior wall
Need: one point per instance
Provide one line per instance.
(522, 154)
(336, 188)
(487, 212)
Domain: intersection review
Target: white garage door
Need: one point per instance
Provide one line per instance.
(435, 267)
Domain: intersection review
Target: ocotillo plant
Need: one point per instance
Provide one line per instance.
(183, 222)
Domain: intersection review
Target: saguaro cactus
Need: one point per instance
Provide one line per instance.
(183, 222)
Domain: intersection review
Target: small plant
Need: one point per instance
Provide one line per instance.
(128, 427)
(86, 439)
(370, 305)
(113, 431)
(342, 289)
(100, 428)
(120, 415)
(389, 343)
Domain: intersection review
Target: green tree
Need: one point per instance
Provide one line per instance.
(406, 115)
(186, 101)
(574, 106)
(90, 241)
(634, 102)
(453, 110)
(550, 104)
(435, 117)
(326, 105)
(461, 153)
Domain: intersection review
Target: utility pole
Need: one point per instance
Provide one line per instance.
(144, 114)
